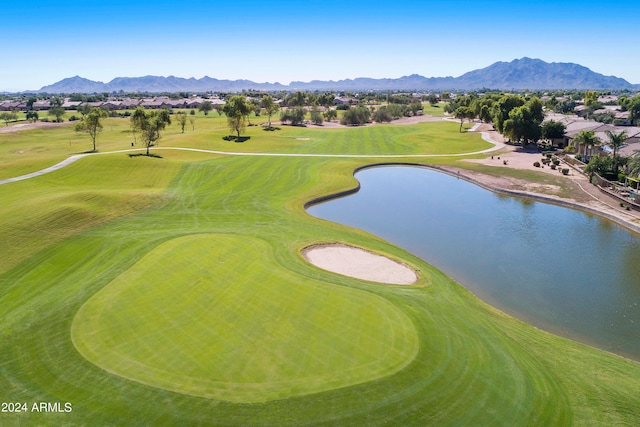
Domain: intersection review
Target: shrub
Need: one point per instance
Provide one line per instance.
(556, 162)
(330, 114)
(382, 115)
(295, 116)
(316, 117)
(553, 167)
(536, 164)
(565, 171)
(356, 116)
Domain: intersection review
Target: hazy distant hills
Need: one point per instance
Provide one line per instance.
(525, 73)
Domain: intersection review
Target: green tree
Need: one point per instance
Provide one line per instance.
(181, 118)
(205, 107)
(330, 114)
(237, 110)
(396, 110)
(356, 116)
(326, 99)
(382, 115)
(91, 123)
(415, 107)
(316, 116)
(55, 101)
(590, 98)
(270, 107)
(30, 102)
(432, 99)
(8, 117)
(523, 124)
(32, 116)
(58, 112)
(293, 115)
(603, 166)
(462, 113)
(312, 99)
(552, 129)
(149, 124)
(485, 114)
(503, 107)
(84, 108)
(633, 107)
(536, 109)
(297, 99)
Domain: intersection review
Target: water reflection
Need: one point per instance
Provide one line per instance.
(560, 269)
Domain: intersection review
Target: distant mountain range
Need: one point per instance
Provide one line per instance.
(519, 74)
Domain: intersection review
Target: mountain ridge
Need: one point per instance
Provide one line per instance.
(519, 74)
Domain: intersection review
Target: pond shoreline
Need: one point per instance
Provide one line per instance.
(540, 323)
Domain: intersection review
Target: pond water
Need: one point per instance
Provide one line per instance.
(565, 271)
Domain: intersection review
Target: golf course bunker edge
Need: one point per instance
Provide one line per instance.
(359, 263)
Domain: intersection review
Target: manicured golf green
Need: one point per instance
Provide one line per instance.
(207, 315)
(181, 298)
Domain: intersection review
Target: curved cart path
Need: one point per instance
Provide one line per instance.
(75, 157)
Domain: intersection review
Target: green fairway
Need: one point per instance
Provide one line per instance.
(172, 291)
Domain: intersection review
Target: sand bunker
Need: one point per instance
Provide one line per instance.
(358, 263)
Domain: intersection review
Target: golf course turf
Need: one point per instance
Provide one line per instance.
(172, 291)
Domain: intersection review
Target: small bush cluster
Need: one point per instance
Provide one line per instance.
(295, 116)
(356, 116)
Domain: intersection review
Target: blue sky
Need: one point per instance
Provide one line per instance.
(286, 40)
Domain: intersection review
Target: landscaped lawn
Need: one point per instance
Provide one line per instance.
(171, 291)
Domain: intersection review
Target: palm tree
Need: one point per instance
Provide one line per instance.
(616, 140)
(633, 165)
(586, 138)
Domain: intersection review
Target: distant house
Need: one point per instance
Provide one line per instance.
(151, 103)
(41, 105)
(608, 99)
(71, 105)
(12, 105)
(176, 103)
(345, 101)
(581, 110)
(130, 104)
(632, 144)
(193, 103)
